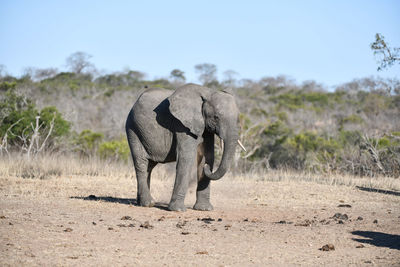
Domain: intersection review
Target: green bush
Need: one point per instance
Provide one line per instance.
(272, 90)
(5, 86)
(373, 104)
(244, 121)
(160, 83)
(349, 138)
(61, 126)
(121, 80)
(321, 148)
(290, 101)
(115, 149)
(88, 142)
(69, 80)
(18, 117)
(353, 119)
(316, 98)
(387, 142)
(271, 142)
(307, 100)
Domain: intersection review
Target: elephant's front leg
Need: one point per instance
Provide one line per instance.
(205, 155)
(186, 160)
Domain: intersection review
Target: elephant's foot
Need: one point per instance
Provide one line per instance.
(200, 205)
(146, 201)
(176, 206)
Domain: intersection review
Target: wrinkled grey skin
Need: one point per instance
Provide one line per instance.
(164, 127)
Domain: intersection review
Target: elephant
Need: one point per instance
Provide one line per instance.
(167, 126)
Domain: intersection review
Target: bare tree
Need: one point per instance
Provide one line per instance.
(207, 73)
(47, 73)
(136, 75)
(388, 56)
(39, 74)
(32, 144)
(372, 146)
(79, 61)
(28, 72)
(4, 140)
(312, 86)
(230, 78)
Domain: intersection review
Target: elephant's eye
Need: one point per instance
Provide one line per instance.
(216, 117)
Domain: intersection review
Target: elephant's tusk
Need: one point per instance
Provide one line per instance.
(241, 145)
(221, 144)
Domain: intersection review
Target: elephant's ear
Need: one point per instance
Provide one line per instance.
(186, 103)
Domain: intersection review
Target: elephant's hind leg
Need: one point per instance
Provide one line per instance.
(150, 168)
(143, 172)
(143, 168)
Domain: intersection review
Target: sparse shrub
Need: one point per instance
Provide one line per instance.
(258, 112)
(373, 104)
(313, 152)
(272, 139)
(352, 119)
(383, 155)
(66, 80)
(282, 116)
(272, 90)
(303, 100)
(349, 138)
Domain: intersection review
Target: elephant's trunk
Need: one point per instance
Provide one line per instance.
(227, 156)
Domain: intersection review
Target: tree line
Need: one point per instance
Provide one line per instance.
(354, 128)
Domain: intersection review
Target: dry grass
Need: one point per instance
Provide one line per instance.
(384, 183)
(65, 176)
(46, 167)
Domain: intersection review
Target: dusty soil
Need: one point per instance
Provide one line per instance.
(83, 220)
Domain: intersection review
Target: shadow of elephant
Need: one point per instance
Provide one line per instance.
(125, 201)
(378, 239)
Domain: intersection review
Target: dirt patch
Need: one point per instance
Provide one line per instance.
(94, 221)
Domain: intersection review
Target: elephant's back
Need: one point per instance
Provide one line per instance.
(150, 120)
(152, 97)
(144, 111)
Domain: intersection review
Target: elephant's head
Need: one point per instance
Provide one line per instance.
(202, 109)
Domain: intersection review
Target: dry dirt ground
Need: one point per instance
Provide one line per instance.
(93, 220)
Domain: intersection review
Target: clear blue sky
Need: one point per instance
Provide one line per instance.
(326, 41)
